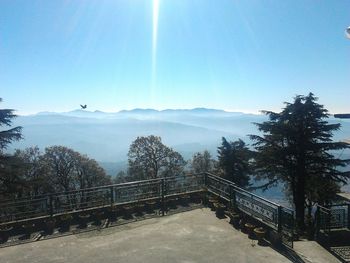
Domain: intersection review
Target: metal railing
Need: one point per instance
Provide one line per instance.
(275, 216)
(97, 197)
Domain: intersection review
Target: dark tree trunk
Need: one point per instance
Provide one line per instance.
(300, 200)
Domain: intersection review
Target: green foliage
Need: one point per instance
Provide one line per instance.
(202, 162)
(13, 134)
(296, 148)
(30, 173)
(150, 158)
(234, 162)
(9, 165)
(69, 170)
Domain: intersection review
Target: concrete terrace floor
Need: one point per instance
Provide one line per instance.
(194, 236)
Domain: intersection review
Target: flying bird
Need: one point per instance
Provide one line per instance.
(83, 106)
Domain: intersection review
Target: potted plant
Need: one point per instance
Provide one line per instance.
(28, 228)
(50, 225)
(150, 206)
(234, 218)
(5, 233)
(260, 233)
(112, 212)
(139, 208)
(211, 201)
(185, 199)
(128, 210)
(171, 202)
(196, 198)
(65, 221)
(98, 215)
(219, 210)
(83, 219)
(250, 229)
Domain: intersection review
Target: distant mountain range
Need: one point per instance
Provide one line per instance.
(106, 136)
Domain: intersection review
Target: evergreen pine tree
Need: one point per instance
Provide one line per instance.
(296, 148)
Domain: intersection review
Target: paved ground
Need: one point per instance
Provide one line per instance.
(195, 236)
(312, 252)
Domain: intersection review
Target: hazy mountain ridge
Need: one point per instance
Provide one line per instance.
(106, 136)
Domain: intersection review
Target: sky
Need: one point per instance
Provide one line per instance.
(246, 55)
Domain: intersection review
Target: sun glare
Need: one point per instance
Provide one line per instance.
(154, 45)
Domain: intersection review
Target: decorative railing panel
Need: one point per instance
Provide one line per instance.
(287, 226)
(219, 186)
(80, 200)
(132, 192)
(183, 184)
(339, 216)
(24, 208)
(257, 207)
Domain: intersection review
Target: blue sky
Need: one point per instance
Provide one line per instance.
(235, 55)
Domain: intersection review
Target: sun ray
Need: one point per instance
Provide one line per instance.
(154, 47)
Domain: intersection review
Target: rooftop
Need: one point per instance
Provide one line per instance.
(193, 236)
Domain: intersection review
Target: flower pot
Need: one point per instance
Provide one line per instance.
(150, 206)
(128, 210)
(65, 222)
(140, 208)
(28, 228)
(98, 215)
(50, 225)
(250, 229)
(5, 233)
(185, 199)
(211, 202)
(83, 219)
(171, 202)
(260, 234)
(234, 219)
(219, 210)
(196, 198)
(112, 213)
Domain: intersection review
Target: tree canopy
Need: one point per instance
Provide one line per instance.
(9, 179)
(202, 162)
(13, 134)
(296, 148)
(150, 158)
(233, 162)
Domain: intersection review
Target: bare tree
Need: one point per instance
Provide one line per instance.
(150, 158)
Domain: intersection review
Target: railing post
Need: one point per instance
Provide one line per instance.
(279, 218)
(317, 222)
(205, 197)
(233, 197)
(51, 205)
(348, 216)
(163, 196)
(205, 179)
(112, 195)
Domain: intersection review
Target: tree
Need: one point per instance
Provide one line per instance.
(150, 158)
(61, 167)
(90, 173)
(233, 162)
(202, 162)
(174, 165)
(9, 165)
(13, 134)
(121, 177)
(69, 170)
(296, 148)
(32, 171)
